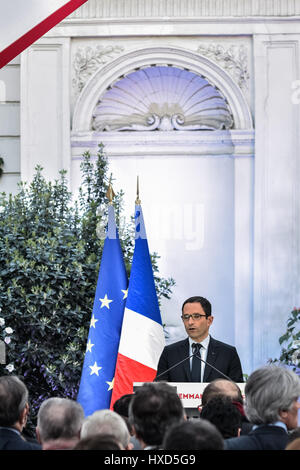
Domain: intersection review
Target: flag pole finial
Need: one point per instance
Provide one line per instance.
(137, 201)
(110, 192)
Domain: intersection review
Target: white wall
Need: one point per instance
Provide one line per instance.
(10, 125)
(249, 226)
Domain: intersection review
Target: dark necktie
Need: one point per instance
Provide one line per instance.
(196, 363)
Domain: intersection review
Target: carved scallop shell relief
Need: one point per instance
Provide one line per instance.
(161, 98)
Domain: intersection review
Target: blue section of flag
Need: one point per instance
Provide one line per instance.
(142, 296)
(105, 329)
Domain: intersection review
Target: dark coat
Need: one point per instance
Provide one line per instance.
(261, 438)
(220, 355)
(10, 440)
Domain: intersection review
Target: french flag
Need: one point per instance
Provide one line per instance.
(142, 337)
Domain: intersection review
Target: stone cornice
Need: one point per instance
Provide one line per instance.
(126, 9)
(232, 143)
(175, 26)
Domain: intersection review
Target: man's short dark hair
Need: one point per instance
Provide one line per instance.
(205, 304)
(121, 406)
(193, 435)
(154, 408)
(221, 412)
(13, 399)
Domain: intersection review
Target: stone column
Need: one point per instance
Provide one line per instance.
(45, 108)
(277, 202)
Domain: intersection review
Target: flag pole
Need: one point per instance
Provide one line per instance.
(137, 201)
(142, 337)
(110, 192)
(97, 376)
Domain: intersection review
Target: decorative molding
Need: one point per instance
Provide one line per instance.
(144, 57)
(233, 144)
(87, 60)
(162, 98)
(170, 9)
(234, 60)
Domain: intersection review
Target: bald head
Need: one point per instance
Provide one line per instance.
(222, 387)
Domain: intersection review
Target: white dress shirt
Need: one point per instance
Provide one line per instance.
(202, 352)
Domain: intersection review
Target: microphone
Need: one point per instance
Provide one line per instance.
(189, 357)
(175, 365)
(213, 367)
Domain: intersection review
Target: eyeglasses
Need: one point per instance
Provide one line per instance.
(194, 316)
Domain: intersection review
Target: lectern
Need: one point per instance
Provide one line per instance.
(190, 394)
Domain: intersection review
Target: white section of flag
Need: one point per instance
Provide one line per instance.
(17, 17)
(142, 339)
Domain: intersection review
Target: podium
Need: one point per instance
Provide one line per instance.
(190, 394)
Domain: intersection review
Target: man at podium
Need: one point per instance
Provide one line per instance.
(198, 358)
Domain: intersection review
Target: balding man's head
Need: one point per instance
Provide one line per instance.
(222, 387)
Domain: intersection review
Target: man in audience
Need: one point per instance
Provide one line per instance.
(223, 387)
(154, 408)
(221, 412)
(193, 435)
(121, 406)
(14, 410)
(107, 422)
(59, 423)
(272, 406)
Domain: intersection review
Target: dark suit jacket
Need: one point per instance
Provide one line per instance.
(220, 355)
(10, 440)
(261, 438)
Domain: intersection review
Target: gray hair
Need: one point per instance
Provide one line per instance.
(13, 399)
(59, 418)
(106, 422)
(268, 391)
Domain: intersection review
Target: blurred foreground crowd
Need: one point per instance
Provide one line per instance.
(153, 418)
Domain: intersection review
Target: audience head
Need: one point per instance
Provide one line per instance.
(193, 435)
(59, 423)
(271, 395)
(99, 442)
(153, 409)
(121, 406)
(222, 387)
(106, 422)
(221, 412)
(14, 406)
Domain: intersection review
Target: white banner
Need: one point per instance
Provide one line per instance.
(23, 22)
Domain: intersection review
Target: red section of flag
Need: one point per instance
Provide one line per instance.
(127, 372)
(38, 31)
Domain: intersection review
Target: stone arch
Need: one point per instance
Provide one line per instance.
(110, 73)
(163, 98)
